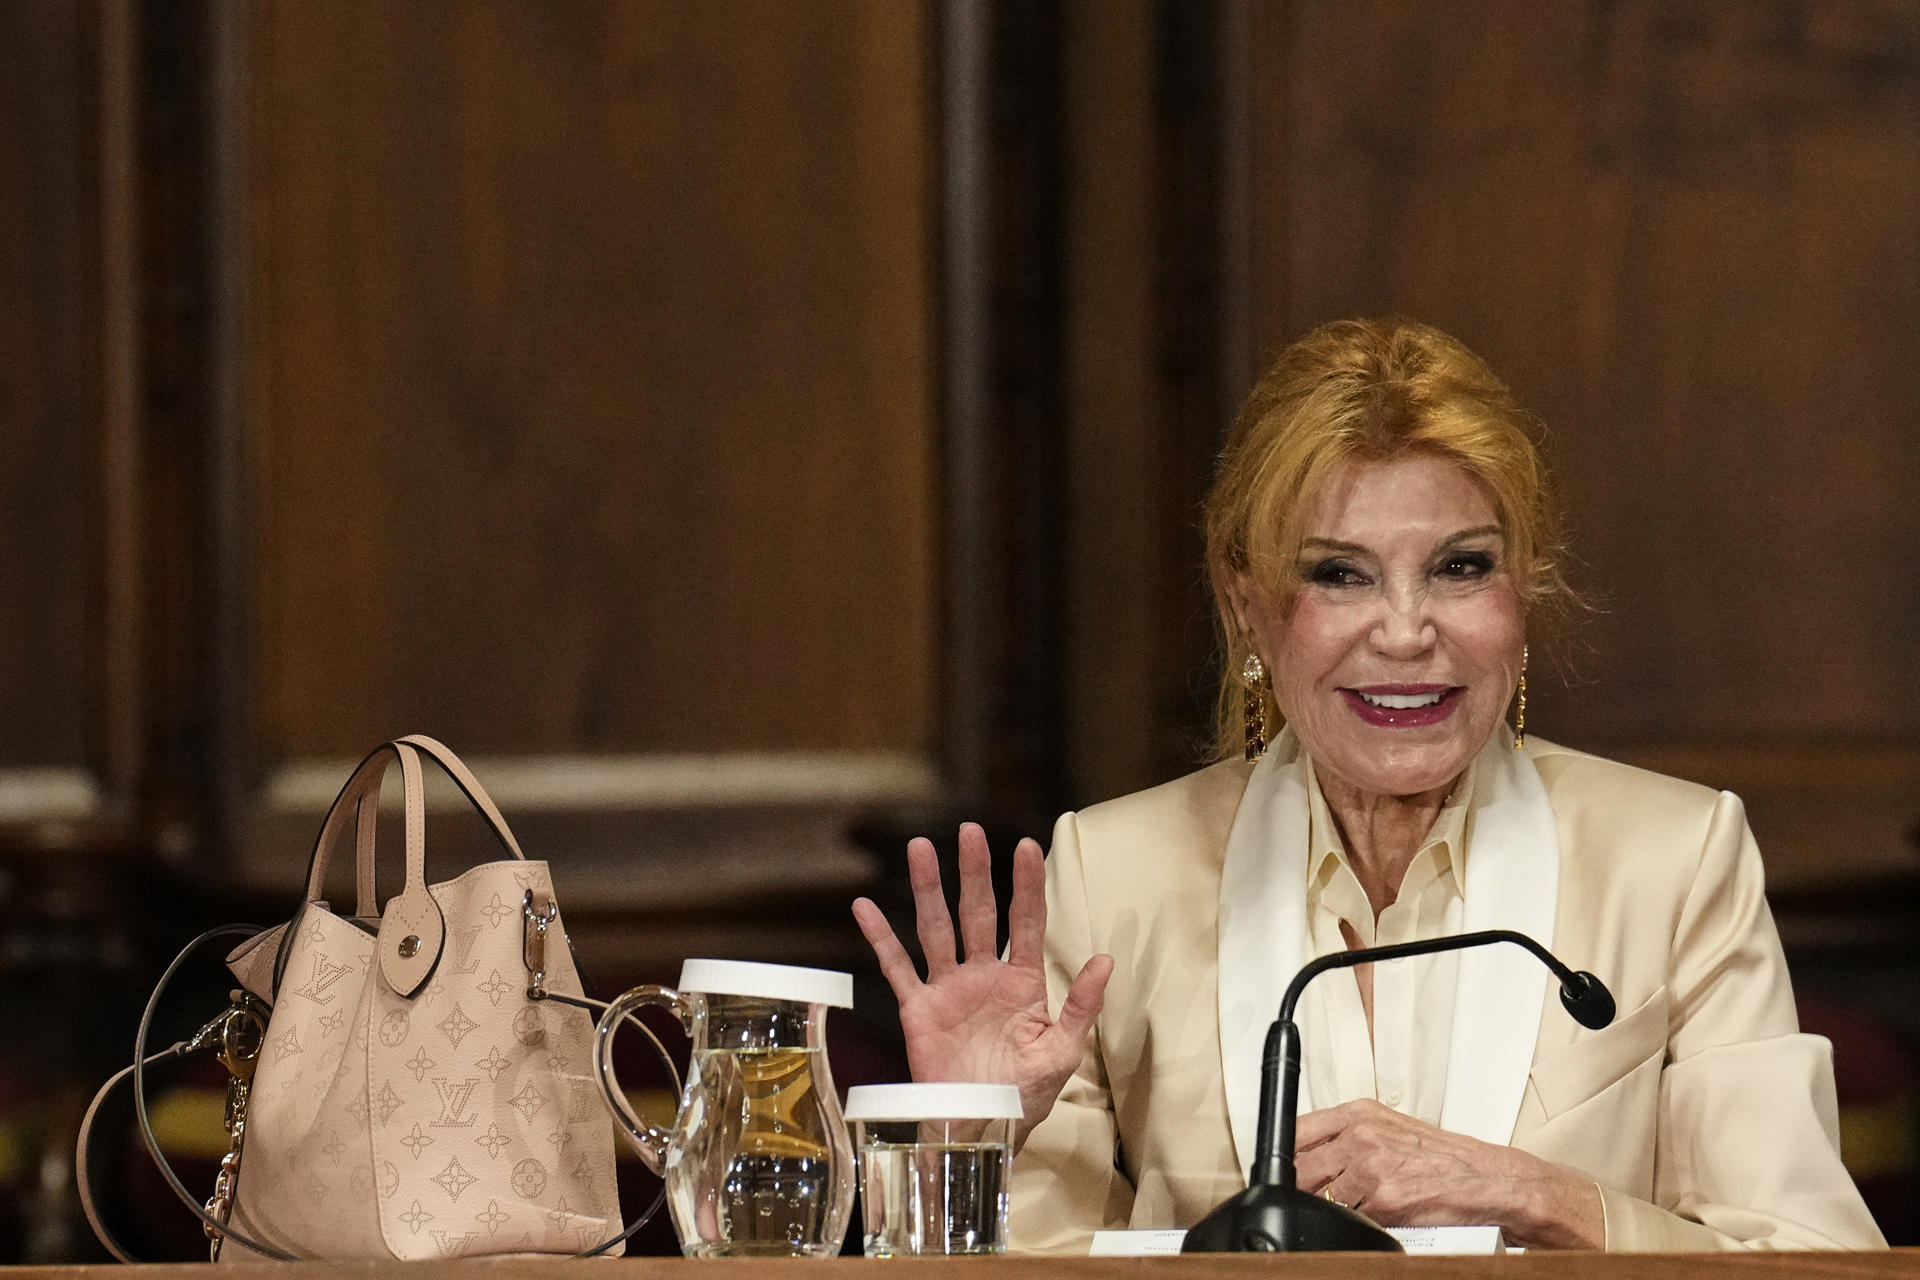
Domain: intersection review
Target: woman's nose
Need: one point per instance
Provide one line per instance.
(1405, 628)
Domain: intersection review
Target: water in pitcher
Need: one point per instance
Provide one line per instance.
(756, 1171)
(934, 1198)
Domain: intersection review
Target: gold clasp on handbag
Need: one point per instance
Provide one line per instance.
(243, 1029)
(234, 1034)
(235, 1037)
(533, 948)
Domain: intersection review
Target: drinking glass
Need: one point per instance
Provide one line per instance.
(935, 1160)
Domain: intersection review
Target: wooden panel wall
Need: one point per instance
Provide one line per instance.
(560, 380)
(1120, 559)
(49, 340)
(570, 390)
(586, 411)
(594, 404)
(69, 653)
(1684, 233)
(1157, 249)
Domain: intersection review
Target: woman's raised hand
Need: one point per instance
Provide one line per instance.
(977, 1017)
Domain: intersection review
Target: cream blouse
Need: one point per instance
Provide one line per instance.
(1403, 1062)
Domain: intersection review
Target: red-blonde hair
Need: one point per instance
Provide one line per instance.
(1370, 390)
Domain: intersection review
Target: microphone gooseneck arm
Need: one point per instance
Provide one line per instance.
(1584, 996)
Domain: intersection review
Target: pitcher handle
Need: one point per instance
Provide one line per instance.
(650, 1141)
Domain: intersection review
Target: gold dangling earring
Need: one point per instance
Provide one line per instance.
(1520, 711)
(1253, 677)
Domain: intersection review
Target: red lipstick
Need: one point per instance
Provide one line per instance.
(1435, 703)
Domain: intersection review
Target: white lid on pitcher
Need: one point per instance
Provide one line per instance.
(768, 981)
(933, 1102)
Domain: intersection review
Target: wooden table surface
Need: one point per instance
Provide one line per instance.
(1533, 1266)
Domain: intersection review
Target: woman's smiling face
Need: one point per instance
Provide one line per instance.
(1399, 650)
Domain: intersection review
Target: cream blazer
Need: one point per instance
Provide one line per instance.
(1702, 1113)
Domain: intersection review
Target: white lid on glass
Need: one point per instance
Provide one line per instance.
(933, 1102)
(768, 981)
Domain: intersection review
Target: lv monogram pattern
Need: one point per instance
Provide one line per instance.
(460, 1122)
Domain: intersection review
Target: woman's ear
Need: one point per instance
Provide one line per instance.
(1245, 598)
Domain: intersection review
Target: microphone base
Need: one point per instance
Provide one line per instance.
(1274, 1219)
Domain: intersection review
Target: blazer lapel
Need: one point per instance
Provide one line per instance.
(1263, 917)
(1512, 882)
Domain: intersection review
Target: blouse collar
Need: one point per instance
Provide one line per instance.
(1511, 861)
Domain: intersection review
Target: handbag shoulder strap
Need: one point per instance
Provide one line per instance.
(84, 1160)
(135, 1073)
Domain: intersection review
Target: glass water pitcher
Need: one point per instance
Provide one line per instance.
(758, 1163)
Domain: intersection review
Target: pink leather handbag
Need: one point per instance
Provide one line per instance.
(409, 1083)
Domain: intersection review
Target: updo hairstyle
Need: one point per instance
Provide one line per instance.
(1371, 390)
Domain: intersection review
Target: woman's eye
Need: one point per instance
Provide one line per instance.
(1335, 573)
(1465, 565)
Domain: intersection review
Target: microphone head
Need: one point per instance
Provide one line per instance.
(1588, 1000)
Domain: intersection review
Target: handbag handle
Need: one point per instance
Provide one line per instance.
(413, 931)
(361, 796)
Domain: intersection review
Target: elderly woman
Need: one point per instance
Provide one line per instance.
(1381, 542)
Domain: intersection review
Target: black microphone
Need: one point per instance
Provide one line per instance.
(1273, 1215)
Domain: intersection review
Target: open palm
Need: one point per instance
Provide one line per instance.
(977, 1016)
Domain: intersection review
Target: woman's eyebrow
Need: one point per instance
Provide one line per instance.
(1354, 548)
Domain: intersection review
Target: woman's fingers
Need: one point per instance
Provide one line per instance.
(978, 916)
(979, 921)
(1320, 1154)
(1084, 998)
(930, 919)
(1027, 913)
(1316, 1127)
(1313, 1169)
(1401, 1170)
(896, 966)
